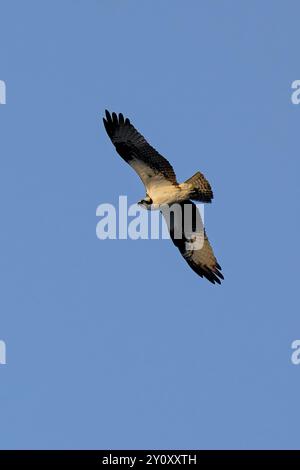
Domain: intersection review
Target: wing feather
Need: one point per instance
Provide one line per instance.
(137, 152)
(188, 234)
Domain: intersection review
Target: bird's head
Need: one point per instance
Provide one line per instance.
(146, 202)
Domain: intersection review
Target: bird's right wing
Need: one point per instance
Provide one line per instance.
(152, 168)
(188, 234)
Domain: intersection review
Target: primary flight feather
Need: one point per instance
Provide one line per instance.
(163, 192)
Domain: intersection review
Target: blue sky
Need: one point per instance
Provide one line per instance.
(118, 344)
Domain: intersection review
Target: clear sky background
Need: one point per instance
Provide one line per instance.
(118, 344)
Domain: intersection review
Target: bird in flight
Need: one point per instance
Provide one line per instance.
(163, 192)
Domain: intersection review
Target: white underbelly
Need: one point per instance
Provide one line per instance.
(167, 194)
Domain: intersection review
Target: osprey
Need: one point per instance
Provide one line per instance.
(163, 192)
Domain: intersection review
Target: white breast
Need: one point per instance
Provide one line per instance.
(164, 192)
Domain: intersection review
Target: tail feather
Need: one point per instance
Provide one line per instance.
(200, 189)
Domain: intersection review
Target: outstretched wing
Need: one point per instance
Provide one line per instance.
(188, 234)
(152, 168)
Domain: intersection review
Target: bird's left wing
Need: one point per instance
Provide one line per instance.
(188, 234)
(152, 168)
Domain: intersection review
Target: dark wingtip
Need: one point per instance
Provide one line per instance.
(115, 119)
(108, 116)
(219, 274)
(105, 124)
(214, 276)
(108, 123)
